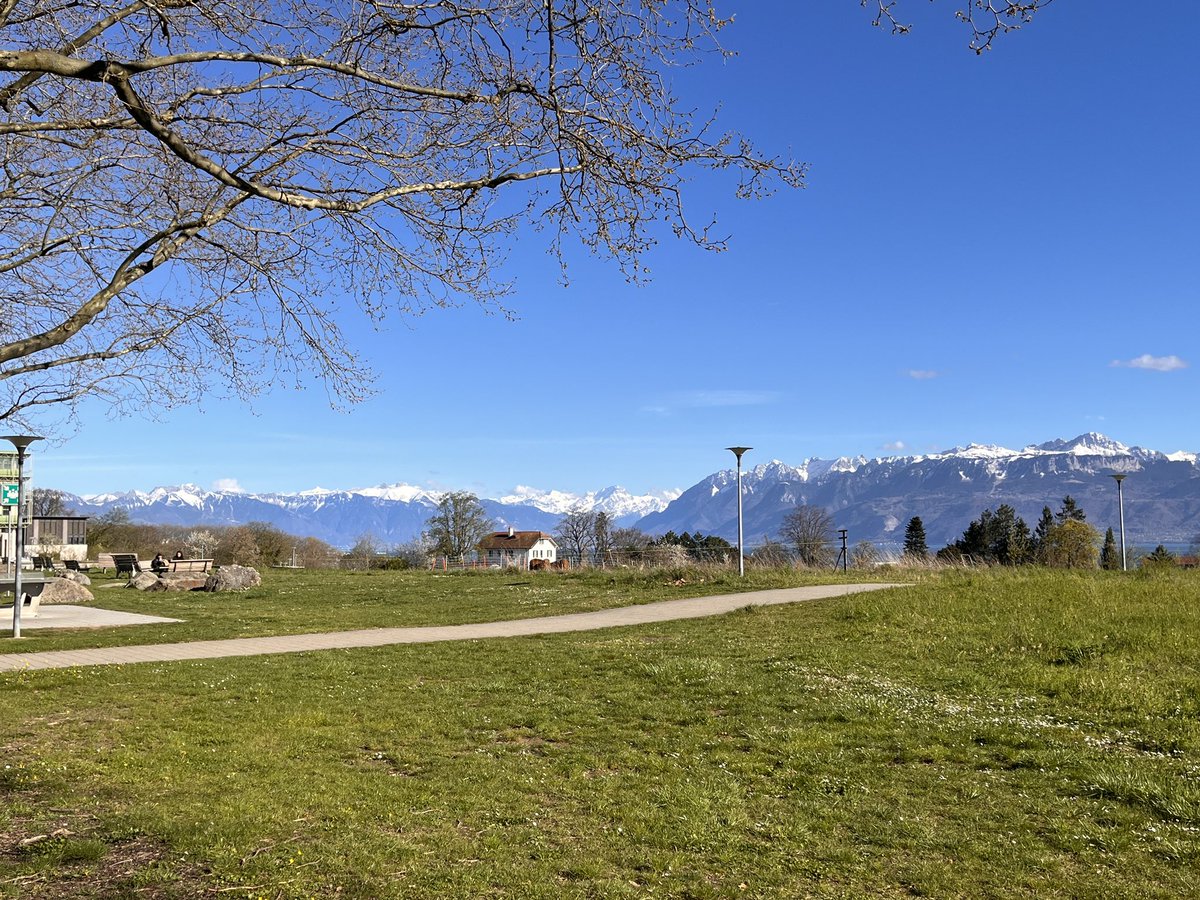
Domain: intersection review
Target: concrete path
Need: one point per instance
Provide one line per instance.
(663, 611)
(67, 615)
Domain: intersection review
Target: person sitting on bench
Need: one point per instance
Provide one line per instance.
(158, 565)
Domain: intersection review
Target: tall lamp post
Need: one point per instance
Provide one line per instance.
(21, 442)
(1121, 511)
(738, 451)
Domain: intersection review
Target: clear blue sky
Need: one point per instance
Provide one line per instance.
(981, 240)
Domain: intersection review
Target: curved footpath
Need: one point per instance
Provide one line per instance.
(663, 611)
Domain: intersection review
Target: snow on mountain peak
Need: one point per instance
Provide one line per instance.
(404, 493)
(1090, 444)
(616, 501)
(982, 451)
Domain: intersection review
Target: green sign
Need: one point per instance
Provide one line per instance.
(8, 493)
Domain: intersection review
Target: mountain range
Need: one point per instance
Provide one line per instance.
(873, 499)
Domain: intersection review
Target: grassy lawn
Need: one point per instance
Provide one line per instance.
(1002, 734)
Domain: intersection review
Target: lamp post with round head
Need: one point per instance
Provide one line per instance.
(21, 442)
(738, 451)
(1118, 478)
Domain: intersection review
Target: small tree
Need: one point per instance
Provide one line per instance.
(1071, 545)
(312, 553)
(110, 531)
(238, 546)
(1159, 559)
(274, 545)
(201, 543)
(602, 539)
(864, 555)
(1041, 534)
(770, 554)
(915, 546)
(1110, 558)
(808, 529)
(362, 554)
(1070, 511)
(576, 533)
(459, 524)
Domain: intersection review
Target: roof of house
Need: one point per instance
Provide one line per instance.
(518, 540)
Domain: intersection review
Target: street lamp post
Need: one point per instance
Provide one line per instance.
(1121, 512)
(738, 451)
(21, 442)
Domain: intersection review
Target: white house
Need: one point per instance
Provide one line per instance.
(518, 549)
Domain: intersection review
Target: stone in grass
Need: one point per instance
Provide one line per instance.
(77, 577)
(62, 590)
(233, 578)
(144, 581)
(179, 581)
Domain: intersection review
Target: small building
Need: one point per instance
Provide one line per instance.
(64, 537)
(517, 549)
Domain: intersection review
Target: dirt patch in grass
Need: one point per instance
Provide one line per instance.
(68, 863)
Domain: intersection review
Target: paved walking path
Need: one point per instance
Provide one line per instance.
(663, 611)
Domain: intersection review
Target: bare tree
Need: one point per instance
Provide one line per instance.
(602, 537)
(362, 555)
(576, 533)
(49, 502)
(986, 19)
(458, 526)
(192, 191)
(808, 529)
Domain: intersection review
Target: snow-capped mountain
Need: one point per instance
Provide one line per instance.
(874, 499)
(392, 513)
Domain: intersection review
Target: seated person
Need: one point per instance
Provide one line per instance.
(158, 564)
(178, 555)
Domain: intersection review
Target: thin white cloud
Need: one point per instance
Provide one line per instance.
(229, 485)
(922, 374)
(726, 398)
(1154, 363)
(711, 399)
(894, 446)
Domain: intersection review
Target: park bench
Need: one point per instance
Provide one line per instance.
(74, 565)
(126, 564)
(43, 562)
(32, 584)
(190, 565)
(104, 562)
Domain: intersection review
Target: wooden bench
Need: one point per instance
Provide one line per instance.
(105, 562)
(32, 585)
(190, 565)
(74, 565)
(43, 562)
(126, 564)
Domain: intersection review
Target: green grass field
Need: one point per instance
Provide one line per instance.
(975, 734)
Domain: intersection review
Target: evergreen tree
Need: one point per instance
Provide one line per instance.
(1110, 559)
(914, 539)
(1041, 534)
(1161, 557)
(1070, 511)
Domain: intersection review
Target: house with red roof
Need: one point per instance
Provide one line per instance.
(517, 549)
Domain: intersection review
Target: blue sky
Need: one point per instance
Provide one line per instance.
(1002, 249)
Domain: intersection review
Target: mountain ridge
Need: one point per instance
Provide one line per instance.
(872, 498)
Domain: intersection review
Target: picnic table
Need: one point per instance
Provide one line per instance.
(32, 585)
